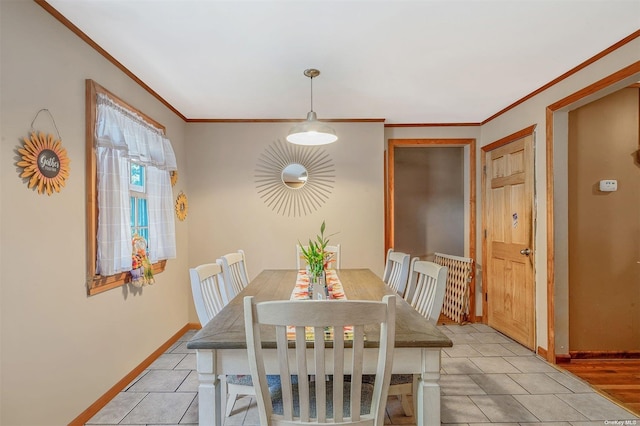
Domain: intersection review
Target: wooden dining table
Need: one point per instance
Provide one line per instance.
(221, 348)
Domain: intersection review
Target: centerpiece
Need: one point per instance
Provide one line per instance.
(317, 260)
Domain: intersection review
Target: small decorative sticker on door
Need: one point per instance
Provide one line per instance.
(515, 219)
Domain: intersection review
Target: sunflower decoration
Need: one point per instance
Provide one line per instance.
(182, 206)
(44, 162)
(174, 177)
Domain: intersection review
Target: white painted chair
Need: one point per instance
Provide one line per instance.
(334, 263)
(234, 269)
(426, 288)
(320, 401)
(209, 297)
(396, 271)
(208, 290)
(425, 292)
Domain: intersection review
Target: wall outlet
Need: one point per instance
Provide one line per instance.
(608, 185)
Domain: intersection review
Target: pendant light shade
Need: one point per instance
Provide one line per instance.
(311, 131)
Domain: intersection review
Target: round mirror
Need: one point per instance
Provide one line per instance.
(294, 175)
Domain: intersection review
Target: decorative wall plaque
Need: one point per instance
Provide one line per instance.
(44, 162)
(182, 206)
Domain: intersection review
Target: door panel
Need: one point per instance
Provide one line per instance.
(510, 293)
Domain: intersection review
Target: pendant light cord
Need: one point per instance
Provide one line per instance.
(311, 78)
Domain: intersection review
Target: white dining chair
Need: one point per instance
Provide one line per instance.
(234, 269)
(210, 296)
(320, 401)
(425, 292)
(208, 290)
(396, 271)
(334, 263)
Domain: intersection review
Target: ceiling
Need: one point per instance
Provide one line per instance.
(403, 61)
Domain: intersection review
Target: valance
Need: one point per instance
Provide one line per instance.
(123, 130)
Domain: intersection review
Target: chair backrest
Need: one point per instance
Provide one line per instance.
(456, 297)
(396, 271)
(234, 270)
(334, 263)
(425, 292)
(292, 321)
(207, 288)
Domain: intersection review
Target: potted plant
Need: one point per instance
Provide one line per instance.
(315, 256)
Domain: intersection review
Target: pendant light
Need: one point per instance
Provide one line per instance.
(311, 131)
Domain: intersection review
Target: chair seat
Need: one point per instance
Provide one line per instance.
(365, 400)
(400, 379)
(396, 379)
(245, 380)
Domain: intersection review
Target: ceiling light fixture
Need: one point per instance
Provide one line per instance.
(311, 131)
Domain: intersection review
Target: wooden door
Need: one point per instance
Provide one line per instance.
(508, 213)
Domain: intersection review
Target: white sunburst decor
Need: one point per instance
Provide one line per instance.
(294, 200)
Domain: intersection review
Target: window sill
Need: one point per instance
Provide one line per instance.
(99, 284)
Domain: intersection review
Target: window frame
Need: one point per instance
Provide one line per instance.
(98, 283)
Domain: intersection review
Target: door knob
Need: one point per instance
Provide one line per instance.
(526, 251)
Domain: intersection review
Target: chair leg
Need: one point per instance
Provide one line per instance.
(406, 406)
(231, 401)
(227, 402)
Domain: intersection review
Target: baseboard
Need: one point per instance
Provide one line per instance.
(86, 415)
(563, 358)
(477, 319)
(604, 354)
(542, 352)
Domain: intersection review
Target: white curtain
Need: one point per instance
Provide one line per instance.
(162, 244)
(122, 136)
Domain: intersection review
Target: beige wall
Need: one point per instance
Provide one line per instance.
(61, 350)
(604, 227)
(532, 112)
(429, 200)
(226, 213)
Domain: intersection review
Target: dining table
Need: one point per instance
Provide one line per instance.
(221, 347)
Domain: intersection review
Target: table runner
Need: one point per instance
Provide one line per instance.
(301, 292)
(301, 289)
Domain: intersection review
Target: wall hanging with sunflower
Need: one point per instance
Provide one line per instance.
(44, 160)
(182, 206)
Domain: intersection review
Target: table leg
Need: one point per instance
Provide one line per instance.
(428, 401)
(209, 391)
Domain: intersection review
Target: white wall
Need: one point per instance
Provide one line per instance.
(61, 350)
(226, 213)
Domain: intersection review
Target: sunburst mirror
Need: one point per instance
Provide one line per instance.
(294, 180)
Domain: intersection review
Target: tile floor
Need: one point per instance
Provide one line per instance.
(487, 378)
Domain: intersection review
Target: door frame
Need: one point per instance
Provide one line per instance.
(486, 150)
(469, 146)
(556, 134)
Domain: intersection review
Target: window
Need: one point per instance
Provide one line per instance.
(129, 160)
(138, 199)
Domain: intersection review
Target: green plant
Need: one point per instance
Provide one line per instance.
(314, 254)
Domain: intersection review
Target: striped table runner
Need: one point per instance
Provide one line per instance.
(301, 292)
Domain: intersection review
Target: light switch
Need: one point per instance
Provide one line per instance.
(608, 185)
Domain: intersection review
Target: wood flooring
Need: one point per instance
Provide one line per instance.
(619, 379)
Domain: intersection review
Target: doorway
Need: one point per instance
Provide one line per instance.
(464, 149)
(557, 124)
